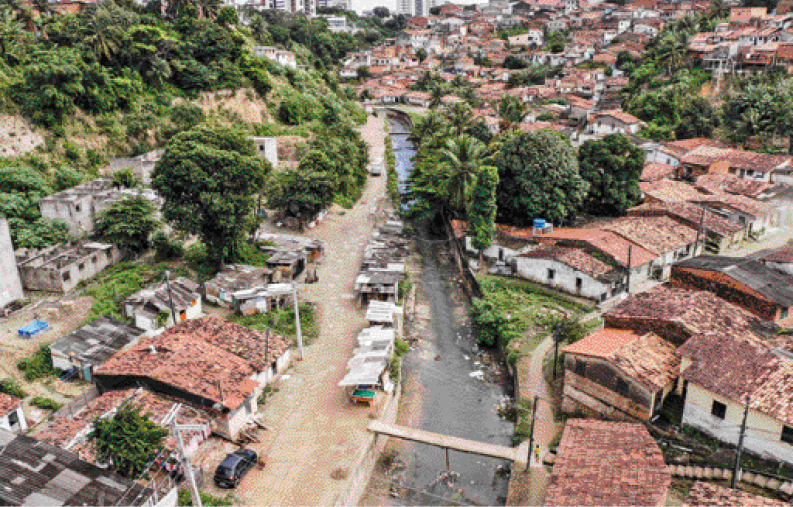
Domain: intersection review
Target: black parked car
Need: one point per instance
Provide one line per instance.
(234, 467)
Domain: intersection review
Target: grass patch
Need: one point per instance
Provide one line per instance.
(282, 321)
(400, 349)
(46, 403)
(11, 388)
(206, 499)
(404, 287)
(39, 365)
(523, 424)
(268, 391)
(517, 316)
(392, 185)
(116, 284)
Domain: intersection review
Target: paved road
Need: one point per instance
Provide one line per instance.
(314, 430)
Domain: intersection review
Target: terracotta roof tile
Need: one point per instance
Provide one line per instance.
(654, 171)
(690, 214)
(647, 358)
(782, 255)
(707, 494)
(573, 257)
(667, 190)
(8, 403)
(656, 234)
(608, 242)
(620, 115)
(606, 463)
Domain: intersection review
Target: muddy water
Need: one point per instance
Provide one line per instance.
(450, 388)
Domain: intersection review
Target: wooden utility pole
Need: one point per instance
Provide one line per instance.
(630, 259)
(531, 430)
(737, 465)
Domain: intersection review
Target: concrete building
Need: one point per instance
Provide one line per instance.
(571, 270)
(11, 416)
(614, 122)
(10, 283)
(150, 308)
(285, 58)
(61, 267)
(79, 206)
(89, 347)
(141, 166)
(267, 147)
(206, 362)
(619, 374)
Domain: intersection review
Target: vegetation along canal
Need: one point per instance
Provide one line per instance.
(450, 387)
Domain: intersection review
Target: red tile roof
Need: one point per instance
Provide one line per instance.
(8, 403)
(620, 115)
(690, 214)
(667, 190)
(656, 234)
(207, 357)
(707, 494)
(647, 358)
(602, 463)
(573, 257)
(782, 255)
(654, 171)
(608, 242)
(726, 183)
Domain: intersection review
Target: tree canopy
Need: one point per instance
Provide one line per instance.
(128, 223)
(482, 208)
(208, 178)
(129, 440)
(305, 191)
(612, 166)
(539, 178)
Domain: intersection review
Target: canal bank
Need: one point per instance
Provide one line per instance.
(450, 386)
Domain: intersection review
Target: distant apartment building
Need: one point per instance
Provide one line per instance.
(10, 283)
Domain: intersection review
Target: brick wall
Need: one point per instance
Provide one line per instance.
(726, 288)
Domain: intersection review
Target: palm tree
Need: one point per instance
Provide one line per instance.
(436, 97)
(104, 39)
(463, 157)
(460, 118)
(672, 53)
(426, 127)
(511, 110)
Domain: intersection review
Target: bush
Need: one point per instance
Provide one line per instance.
(206, 499)
(166, 248)
(39, 365)
(46, 403)
(11, 388)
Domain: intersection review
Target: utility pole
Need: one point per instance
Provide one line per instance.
(555, 348)
(170, 296)
(737, 465)
(531, 430)
(188, 468)
(630, 259)
(297, 320)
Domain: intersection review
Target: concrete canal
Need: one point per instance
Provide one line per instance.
(450, 387)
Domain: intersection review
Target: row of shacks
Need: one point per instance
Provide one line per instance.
(377, 286)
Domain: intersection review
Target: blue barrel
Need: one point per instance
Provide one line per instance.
(539, 223)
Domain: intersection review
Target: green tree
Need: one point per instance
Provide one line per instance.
(460, 118)
(227, 16)
(612, 167)
(186, 115)
(482, 209)
(462, 158)
(538, 178)
(306, 191)
(698, 118)
(128, 224)
(208, 178)
(511, 110)
(421, 54)
(129, 440)
(381, 12)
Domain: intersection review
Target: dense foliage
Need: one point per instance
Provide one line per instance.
(612, 167)
(128, 223)
(539, 178)
(129, 440)
(208, 178)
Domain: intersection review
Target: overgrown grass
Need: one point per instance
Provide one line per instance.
(393, 179)
(523, 424)
(404, 287)
(116, 284)
(11, 388)
(282, 321)
(400, 349)
(39, 365)
(46, 403)
(517, 316)
(198, 260)
(206, 499)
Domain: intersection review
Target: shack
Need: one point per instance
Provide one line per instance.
(151, 308)
(236, 279)
(368, 369)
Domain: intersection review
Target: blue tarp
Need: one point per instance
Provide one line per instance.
(34, 327)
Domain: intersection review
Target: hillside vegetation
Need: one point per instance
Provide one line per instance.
(117, 80)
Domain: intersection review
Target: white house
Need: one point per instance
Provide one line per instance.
(569, 269)
(267, 147)
(11, 416)
(614, 122)
(152, 309)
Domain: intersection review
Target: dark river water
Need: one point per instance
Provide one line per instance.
(444, 384)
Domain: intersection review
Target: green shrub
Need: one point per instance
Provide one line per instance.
(46, 403)
(166, 248)
(11, 388)
(206, 499)
(39, 365)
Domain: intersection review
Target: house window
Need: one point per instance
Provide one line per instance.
(784, 313)
(551, 274)
(718, 409)
(622, 387)
(81, 267)
(741, 219)
(579, 283)
(66, 277)
(580, 368)
(77, 208)
(787, 435)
